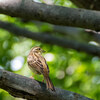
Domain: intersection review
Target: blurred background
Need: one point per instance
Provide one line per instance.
(70, 70)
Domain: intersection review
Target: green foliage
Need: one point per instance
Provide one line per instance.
(69, 69)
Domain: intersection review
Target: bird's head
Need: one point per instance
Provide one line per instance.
(37, 49)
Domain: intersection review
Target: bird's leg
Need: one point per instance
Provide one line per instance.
(32, 77)
(43, 80)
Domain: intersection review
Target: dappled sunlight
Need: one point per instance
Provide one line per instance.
(70, 70)
(37, 1)
(49, 57)
(96, 80)
(94, 43)
(60, 74)
(80, 69)
(1, 67)
(5, 44)
(22, 47)
(95, 59)
(17, 63)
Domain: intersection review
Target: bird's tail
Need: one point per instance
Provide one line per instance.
(49, 84)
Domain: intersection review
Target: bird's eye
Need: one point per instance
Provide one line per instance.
(39, 48)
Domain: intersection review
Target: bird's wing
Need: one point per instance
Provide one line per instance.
(42, 65)
(36, 65)
(45, 66)
(39, 65)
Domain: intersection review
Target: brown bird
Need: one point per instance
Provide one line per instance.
(38, 65)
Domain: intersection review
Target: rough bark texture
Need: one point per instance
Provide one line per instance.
(63, 42)
(50, 13)
(24, 87)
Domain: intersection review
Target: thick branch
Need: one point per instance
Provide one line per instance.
(72, 33)
(63, 42)
(23, 87)
(50, 13)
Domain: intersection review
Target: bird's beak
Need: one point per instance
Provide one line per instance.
(43, 51)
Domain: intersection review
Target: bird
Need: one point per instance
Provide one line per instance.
(38, 65)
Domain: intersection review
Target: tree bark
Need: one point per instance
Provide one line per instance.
(24, 87)
(46, 38)
(50, 13)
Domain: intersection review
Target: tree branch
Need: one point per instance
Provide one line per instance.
(95, 35)
(50, 13)
(72, 33)
(24, 87)
(63, 42)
